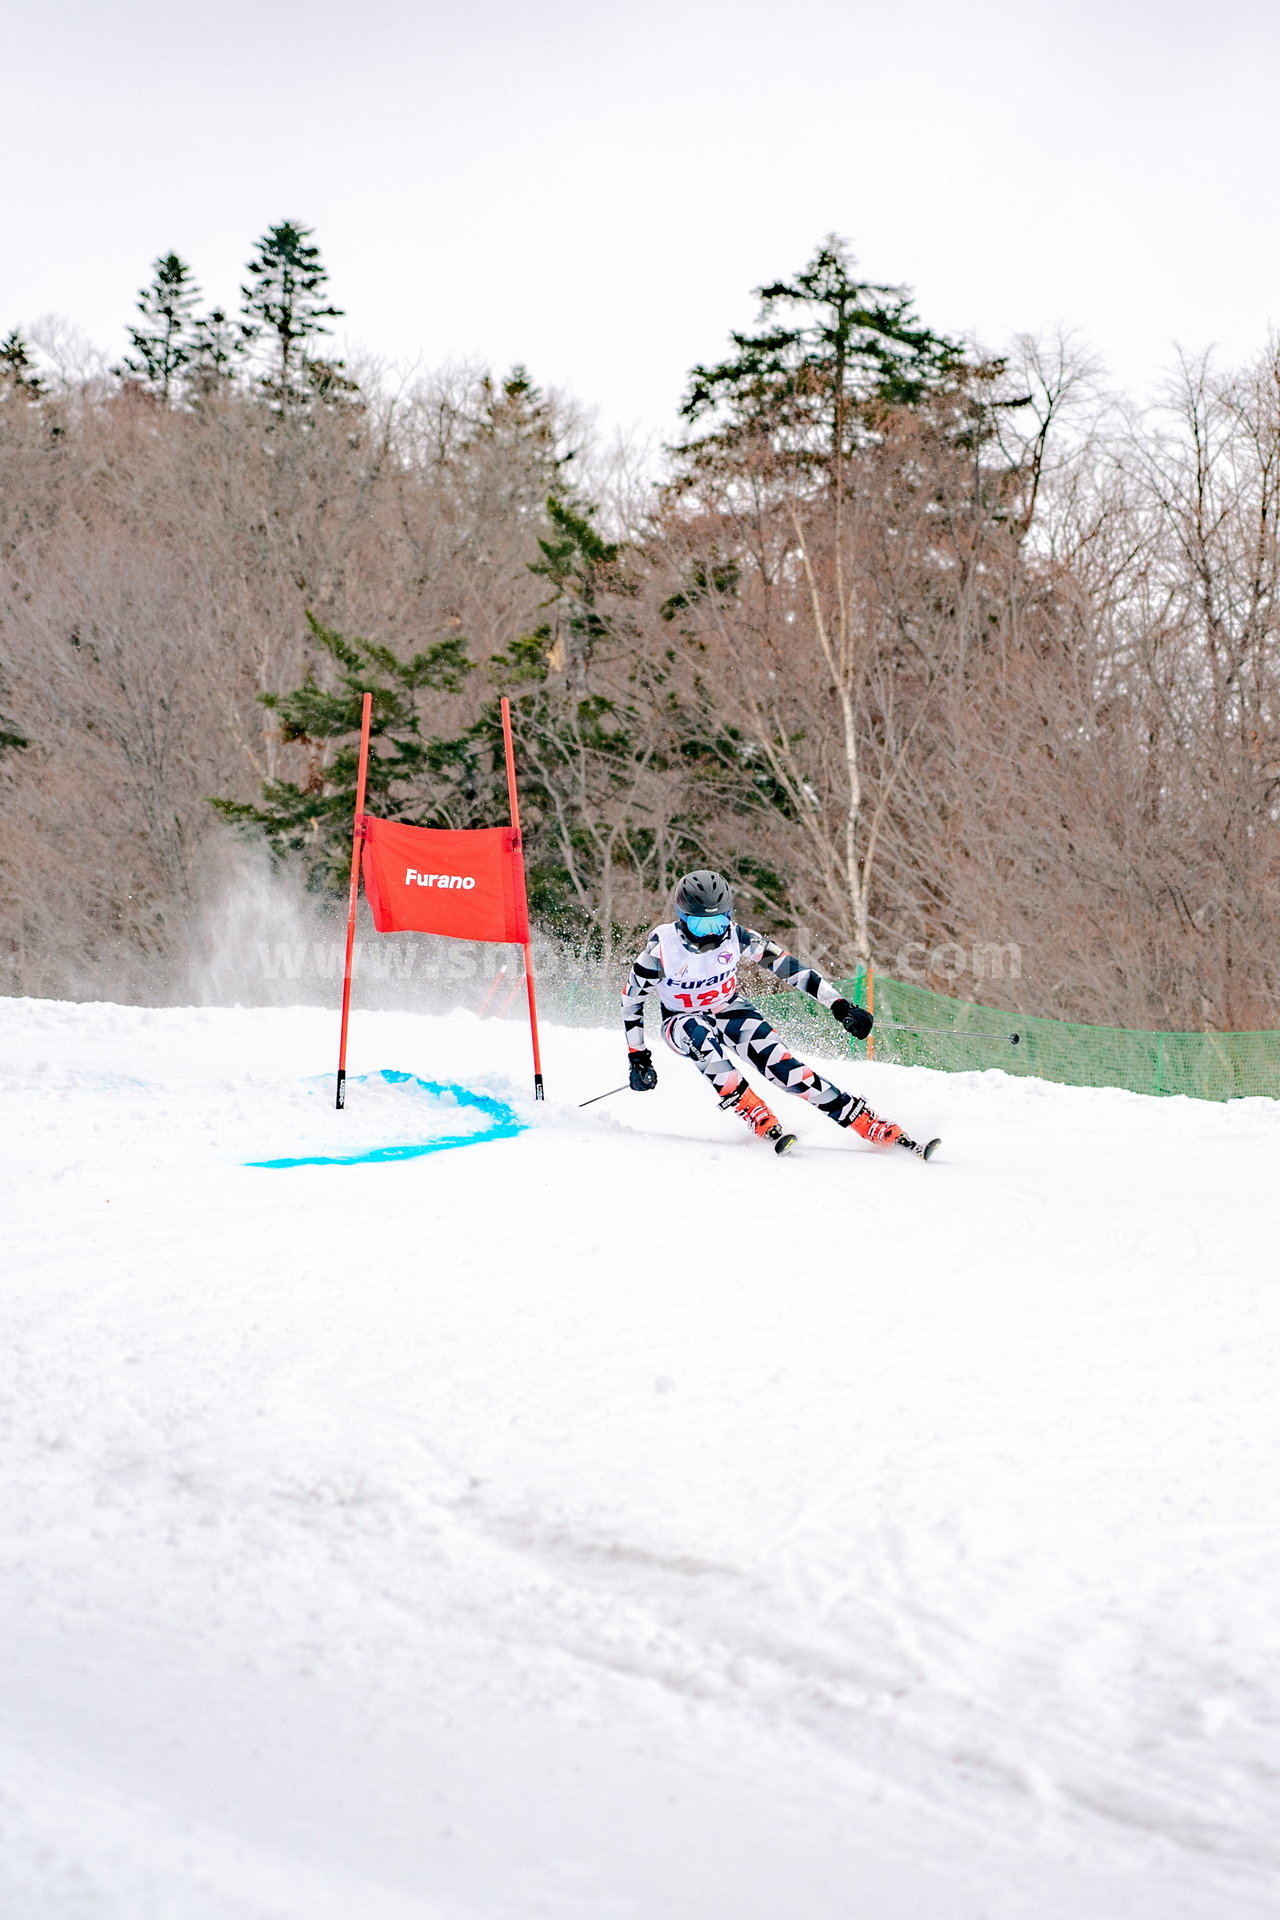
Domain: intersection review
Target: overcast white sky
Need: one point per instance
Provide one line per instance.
(594, 189)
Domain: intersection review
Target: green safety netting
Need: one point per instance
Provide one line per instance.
(917, 1028)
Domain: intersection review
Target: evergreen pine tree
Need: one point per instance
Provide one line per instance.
(163, 345)
(593, 710)
(514, 414)
(838, 448)
(217, 347)
(18, 375)
(426, 782)
(284, 305)
(828, 354)
(577, 684)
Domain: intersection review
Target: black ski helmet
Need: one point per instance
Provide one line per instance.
(703, 895)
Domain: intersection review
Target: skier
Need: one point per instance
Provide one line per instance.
(693, 962)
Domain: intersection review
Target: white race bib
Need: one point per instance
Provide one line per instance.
(693, 981)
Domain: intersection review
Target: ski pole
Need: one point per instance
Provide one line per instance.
(953, 1033)
(604, 1096)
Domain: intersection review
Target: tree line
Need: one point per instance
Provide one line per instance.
(922, 646)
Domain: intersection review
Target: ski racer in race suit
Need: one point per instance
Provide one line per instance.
(693, 963)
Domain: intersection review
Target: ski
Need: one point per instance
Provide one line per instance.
(783, 1143)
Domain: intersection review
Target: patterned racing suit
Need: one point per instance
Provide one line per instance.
(704, 1013)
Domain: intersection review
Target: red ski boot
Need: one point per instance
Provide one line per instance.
(884, 1133)
(748, 1106)
(881, 1133)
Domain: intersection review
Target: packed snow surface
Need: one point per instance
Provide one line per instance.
(600, 1518)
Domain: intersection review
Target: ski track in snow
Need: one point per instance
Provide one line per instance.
(614, 1521)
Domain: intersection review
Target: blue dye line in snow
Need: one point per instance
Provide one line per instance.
(504, 1123)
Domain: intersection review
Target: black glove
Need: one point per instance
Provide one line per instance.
(644, 1075)
(854, 1020)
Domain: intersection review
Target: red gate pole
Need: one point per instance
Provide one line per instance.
(528, 951)
(357, 840)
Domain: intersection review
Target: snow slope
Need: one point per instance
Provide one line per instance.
(610, 1520)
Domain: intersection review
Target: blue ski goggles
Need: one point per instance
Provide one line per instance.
(706, 926)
